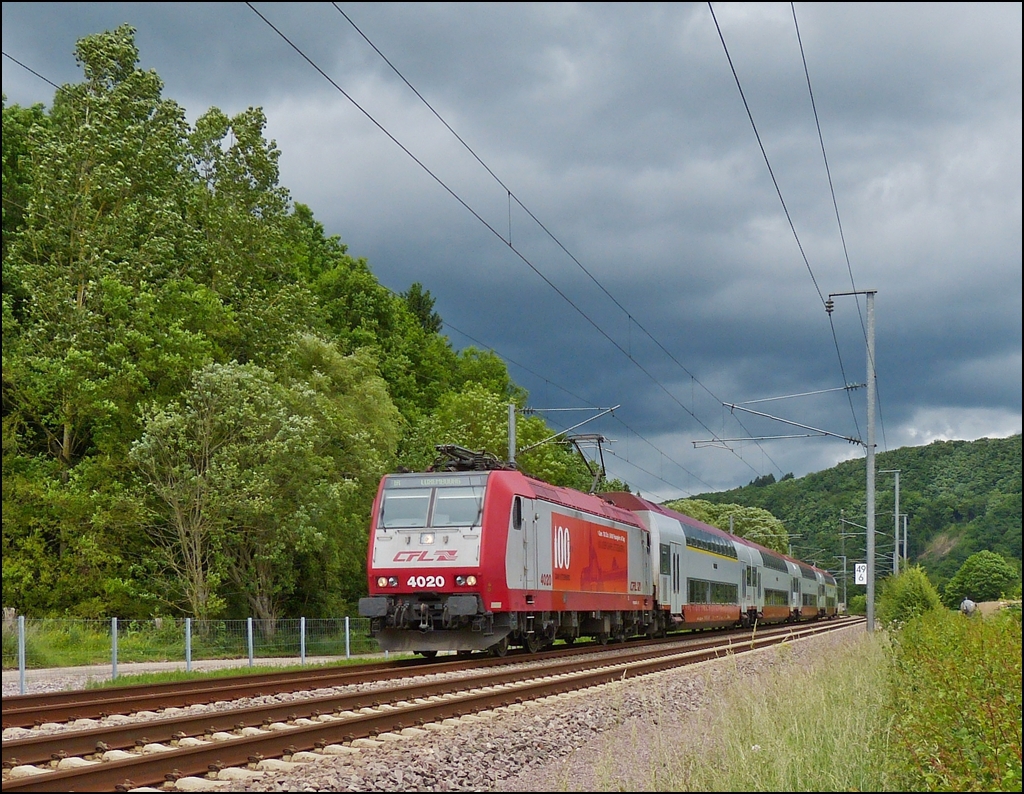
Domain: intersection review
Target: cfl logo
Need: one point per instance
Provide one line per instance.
(563, 550)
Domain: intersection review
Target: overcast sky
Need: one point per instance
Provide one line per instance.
(671, 281)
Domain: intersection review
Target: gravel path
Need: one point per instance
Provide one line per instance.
(63, 678)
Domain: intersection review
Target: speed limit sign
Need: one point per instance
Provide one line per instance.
(860, 573)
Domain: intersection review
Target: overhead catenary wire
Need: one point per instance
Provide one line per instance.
(33, 71)
(632, 320)
(487, 225)
(835, 205)
(764, 154)
(839, 222)
(575, 396)
(778, 191)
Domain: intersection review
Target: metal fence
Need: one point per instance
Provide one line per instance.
(34, 643)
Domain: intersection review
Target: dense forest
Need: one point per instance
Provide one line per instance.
(960, 498)
(201, 389)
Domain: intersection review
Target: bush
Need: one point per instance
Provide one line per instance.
(907, 595)
(956, 701)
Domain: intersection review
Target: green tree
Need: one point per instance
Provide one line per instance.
(417, 365)
(485, 368)
(18, 123)
(264, 482)
(90, 328)
(228, 469)
(358, 429)
(250, 258)
(421, 304)
(984, 576)
(102, 228)
(753, 523)
(188, 354)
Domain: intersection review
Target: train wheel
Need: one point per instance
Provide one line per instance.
(463, 654)
(500, 648)
(603, 638)
(569, 640)
(427, 654)
(532, 643)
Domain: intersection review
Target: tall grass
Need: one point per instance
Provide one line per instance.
(821, 727)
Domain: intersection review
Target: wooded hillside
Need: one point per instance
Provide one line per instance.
(960, 497)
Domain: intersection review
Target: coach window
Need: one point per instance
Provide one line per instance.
(666, 559)
(517, 513)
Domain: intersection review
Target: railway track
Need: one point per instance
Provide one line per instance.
(225, 744)
(27, 711)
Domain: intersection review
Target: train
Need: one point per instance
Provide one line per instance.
(476, 555)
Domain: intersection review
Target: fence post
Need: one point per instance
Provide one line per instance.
(248, 631)
(113, 649)
(348, 653)
(21, 654)
(188, 645)
(302, 640)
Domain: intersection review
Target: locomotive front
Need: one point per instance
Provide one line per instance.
(424, 564)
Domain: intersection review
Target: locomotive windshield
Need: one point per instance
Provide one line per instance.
(458, 507)
(405, 508)
(442, 506)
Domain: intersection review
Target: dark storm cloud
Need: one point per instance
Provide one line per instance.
(621, 128)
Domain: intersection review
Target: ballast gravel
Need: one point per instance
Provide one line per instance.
(622, 736)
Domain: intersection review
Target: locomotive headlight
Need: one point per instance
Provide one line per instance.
(427, 538)
(471, 580)
(382, 581)
(393, 581)
(460, 580)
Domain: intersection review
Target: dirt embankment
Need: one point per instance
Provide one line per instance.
(987, 608)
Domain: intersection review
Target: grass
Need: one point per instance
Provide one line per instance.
(956, 700)
(814, 728)
(174, 676)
